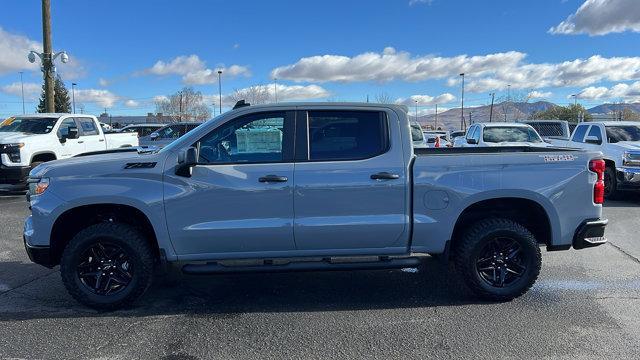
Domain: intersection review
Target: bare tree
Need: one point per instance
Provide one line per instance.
(254, 95)
(185, 105)
(383, 98)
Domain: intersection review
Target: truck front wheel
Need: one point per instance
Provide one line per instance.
(610, 183)
(107, 266)
(498, 259)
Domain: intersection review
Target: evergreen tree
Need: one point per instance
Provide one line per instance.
(62, 103)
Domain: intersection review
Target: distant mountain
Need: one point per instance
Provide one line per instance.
(609, 108)
(514, 111)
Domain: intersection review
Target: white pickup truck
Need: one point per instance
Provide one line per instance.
(28, 140)
(619, 142)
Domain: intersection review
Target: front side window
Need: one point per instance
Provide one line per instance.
(595, 131)
(623, 133)
(347, 135)
(88, 126)
(171, 132)
(510, 134)
(257, 138)
(67, 124)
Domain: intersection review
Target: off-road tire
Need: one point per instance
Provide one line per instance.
(128, 239)
(471, 245)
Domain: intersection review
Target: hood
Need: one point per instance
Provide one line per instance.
(95, 165)
(628, 145)
(12, 137)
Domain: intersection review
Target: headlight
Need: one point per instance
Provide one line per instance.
(631, 158)
(38, 186)
(12, 150)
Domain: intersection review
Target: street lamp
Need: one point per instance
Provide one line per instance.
(73, 95)
(462, 122)
(22, 90)
(48, 69)
(575, 99)
(220, 89)
(416, 110)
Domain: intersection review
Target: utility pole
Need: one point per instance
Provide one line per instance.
(417, 111)
(491, 109)
(47, 61)
(462, 121)
(180, 106)
(435, 126)
(22, 89)
(367, 98)
(470, 121)
(509, 92)
(275, 88)
(220, 89)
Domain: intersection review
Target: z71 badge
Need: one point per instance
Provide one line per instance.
(557, 158)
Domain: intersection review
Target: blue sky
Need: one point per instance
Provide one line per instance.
(125, 54)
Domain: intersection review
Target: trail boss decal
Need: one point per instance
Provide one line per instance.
(557, 158)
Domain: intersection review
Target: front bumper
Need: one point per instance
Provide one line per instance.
(628, 178)
(37, 253)
(13, 178)
(590, 234)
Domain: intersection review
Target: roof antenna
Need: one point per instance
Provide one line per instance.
(240, 104)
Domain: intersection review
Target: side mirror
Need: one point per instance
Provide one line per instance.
(73, 133)
(472, 141)
(154, 136)
(187, 159)
(590, 139)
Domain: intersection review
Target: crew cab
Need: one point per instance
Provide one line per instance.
(502, 134)
(619, 142)
(309, 186)
(28, 140)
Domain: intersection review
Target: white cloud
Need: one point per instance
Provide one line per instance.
(194, 71)
(626, 92)
(131, 103)
(14, 49)
(416, 2)
(103, 98)
(160, 98)
(31, 90)
(600, 17)
(103, 82)
(391, 65)
(539, 94)
(285, 93)
(483, 72)
(426, 100)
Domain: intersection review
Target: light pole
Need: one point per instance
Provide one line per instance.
(462, 122)
(73, 96)
(575, 99)
(491, 110)
(416, 110)
(220, 89)
(509, 92)
(275, 88)
(22, 90)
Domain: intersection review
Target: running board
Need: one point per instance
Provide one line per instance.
(324, 265)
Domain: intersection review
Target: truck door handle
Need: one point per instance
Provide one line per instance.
(80, 142)
(384, 176)
(101, 140)
(273, 178)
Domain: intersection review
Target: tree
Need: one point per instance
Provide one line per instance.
(630, 115)
(254, 95)
(62, 103)
(185, 105)
(571, 113)
(384, 98)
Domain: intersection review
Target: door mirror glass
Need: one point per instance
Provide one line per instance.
(154, 136)
(187, 159)
(472, 141)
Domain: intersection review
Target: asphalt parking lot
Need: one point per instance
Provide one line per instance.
(586, 304)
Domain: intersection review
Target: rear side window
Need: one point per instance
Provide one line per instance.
(347, 135)
(579, 133)
(88, 126)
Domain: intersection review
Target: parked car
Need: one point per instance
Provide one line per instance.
(619, 142)
(167, 134)
(458, 137)
(443, 134)
(141, 129)
(28, 140)
(309, 186)
(417, 136)
(502, 134)
(435, 140)
(555, 132)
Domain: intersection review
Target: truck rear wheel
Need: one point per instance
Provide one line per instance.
(107, 266)
(498, 259)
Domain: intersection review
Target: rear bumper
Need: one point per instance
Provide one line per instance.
(13, 178)
(590, 234)
(628, 178)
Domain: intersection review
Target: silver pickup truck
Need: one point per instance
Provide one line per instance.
(309, 186)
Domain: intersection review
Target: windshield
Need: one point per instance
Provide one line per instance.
(623, 133)
(416, 133)
(28, 125)
(510, 134)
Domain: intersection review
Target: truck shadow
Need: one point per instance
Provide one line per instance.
(431, 285)
(624, 199)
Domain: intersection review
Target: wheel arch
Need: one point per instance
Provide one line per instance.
(44, 155)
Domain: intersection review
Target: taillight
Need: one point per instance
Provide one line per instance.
(598, 166)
